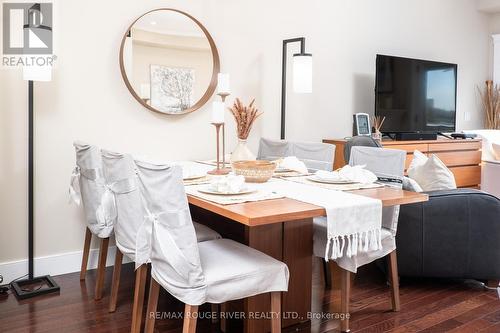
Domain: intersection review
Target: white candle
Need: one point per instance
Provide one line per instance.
(218, 109)
(145, 91)
(223, 85)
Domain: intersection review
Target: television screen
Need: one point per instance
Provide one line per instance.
(415, 95)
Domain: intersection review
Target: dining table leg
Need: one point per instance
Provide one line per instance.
(345, 294)
(290, 242)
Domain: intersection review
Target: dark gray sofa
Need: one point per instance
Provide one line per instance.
(456, 234)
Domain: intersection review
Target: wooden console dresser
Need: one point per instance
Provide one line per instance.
(463, 157)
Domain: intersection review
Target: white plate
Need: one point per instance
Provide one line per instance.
(331, 181)
(207, 190)
(281, 169)
(193, 177)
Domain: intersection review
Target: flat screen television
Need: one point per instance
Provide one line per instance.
(415, 95)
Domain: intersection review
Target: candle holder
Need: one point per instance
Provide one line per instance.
(223, 96)
(218, 171)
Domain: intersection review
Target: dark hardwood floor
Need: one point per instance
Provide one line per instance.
(427, 306)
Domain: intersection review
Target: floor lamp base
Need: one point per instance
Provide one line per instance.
(47, 286)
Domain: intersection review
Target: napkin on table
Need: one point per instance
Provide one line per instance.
(294, 164)
(356, 173)
(227, 184)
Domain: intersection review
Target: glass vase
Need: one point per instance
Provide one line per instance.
(241, 152)
(377, 136)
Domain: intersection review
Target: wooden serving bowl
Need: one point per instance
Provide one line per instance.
(254, 171)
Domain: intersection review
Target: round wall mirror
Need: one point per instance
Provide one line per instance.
(169, 61)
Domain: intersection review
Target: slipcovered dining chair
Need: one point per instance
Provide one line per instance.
(387, 163)
(273, 149)
(359, 141)
(86, 188)
(315, 155)
(123, 202)
(196, 273)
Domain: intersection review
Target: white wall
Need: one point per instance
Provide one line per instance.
(88, 100)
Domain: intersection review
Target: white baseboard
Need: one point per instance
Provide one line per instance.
(55, 265)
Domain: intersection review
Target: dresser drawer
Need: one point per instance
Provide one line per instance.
(467, 176)
(460, 158)
(454, 146)
(409, 148)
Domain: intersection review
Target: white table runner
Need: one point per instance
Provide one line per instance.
(354, 221)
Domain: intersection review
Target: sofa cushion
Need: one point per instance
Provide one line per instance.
(431, 173)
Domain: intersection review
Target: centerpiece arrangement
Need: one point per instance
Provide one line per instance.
(245, 117)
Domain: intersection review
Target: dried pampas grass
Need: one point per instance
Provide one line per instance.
(490, 98)
(245, 116)
(377, 123)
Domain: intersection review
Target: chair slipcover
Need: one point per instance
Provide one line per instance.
(315, 155)
(87, 187)
(380, 161)
(122, 202)
(359, 141)
(273, 149)
(204, 233)
(214, 271)
(384, 163)
(234, 271)
(175, 261)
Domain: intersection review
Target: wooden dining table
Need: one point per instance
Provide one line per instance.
(283, 229)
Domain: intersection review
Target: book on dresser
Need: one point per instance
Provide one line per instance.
(461, 156)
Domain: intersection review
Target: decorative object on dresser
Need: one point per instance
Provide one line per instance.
(244, 116)
(490, 98)
(302, 75)
(462, 157)
(378, 122)
(361, 124)
(169, 61)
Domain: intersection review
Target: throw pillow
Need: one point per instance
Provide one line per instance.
(431, 173)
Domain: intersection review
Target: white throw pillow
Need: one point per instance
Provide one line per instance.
(495, 147)
(419, 159)
(431, 173)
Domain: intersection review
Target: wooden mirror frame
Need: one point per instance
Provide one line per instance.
(216, 66)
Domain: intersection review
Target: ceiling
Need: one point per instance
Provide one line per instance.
(169, 22)
(488, 6)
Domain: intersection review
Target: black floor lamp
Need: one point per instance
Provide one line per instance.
(33, 286)
(302, 75)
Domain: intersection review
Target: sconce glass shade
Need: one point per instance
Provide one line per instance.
(302, 73)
